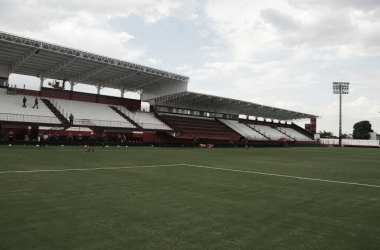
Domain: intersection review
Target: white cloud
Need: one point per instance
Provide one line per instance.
(154, 61)
(252, 27)
(203, 33)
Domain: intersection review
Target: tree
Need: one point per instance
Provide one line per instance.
(325, 134)
(362, 130)
(346, 136)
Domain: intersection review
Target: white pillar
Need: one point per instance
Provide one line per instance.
(122, 91)
(72, 86)
(41, 82)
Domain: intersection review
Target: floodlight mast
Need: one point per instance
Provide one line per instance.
(340, 88)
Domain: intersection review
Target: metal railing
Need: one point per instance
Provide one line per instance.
(28, 118)
(154, 126)
(103, 123)
(351, 142)
(145, 125)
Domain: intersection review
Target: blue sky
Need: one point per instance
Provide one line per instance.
(282, 53)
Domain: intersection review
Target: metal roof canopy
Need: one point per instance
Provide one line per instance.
(216, 104)
(32, 57)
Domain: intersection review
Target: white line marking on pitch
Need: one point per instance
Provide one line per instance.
(82, 169)
(282, 175)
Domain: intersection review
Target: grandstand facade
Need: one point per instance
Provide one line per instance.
(176, 117)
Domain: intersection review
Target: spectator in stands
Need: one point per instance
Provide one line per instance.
(91, 142)
(11, 137)
(24, 102)
(71, 118)
(35, 103)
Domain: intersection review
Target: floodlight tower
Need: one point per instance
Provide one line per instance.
(340, 88)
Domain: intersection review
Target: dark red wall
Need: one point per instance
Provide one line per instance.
(84, 97)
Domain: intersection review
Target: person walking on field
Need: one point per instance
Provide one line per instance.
(71, 118)
(91, 143)
(11, 137)
(24, 102)
(42, 140)
(35, 103)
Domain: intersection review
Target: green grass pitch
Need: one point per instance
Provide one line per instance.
(185, 198)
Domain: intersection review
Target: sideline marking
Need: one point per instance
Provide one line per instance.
(282, 175)
(189, 165)
(82, 169)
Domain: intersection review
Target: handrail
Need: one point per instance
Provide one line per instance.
(29, 118)
(154, 126)
(236, 128)
(103, 123)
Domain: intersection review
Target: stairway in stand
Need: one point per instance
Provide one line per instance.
(98, 131)
(287, 136)
(270, 139)
(65, 124)
(126, 117)
(157, 116)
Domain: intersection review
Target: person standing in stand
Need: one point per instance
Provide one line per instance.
(71, 118)
(24, 102)
(35, 103)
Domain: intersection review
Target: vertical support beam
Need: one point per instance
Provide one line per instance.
(340, 116)
(98, 93)
(340, 88)
(72, 86)
(122, 91)
(41, 83)
(313, 125)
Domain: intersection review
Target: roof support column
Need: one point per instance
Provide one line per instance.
(42, 79)
(4, 75)
(122, 91)
(99, 87)
(72, 84)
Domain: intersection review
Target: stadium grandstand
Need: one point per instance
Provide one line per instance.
(177, 117)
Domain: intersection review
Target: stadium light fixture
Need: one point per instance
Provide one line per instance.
(340, 88)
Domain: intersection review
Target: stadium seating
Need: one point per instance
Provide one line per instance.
(243, 130)
(295, 134)
(272, 133)
(11, 110)
(97, 113)
(146, 120)
(191, 127)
